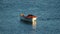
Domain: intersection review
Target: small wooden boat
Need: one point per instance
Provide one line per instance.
(29, 18)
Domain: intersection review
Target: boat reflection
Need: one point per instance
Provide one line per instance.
(31, 27)
(34, 25)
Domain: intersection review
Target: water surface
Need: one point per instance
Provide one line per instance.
(47, 11)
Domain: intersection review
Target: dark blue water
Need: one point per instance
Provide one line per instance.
(47, 11)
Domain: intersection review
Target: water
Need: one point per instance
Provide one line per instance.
(47, 11)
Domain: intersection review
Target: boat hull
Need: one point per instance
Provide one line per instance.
(26, 19)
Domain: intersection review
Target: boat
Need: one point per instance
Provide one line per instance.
(29, 18)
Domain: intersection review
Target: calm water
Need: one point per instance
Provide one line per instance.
(47, 11)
